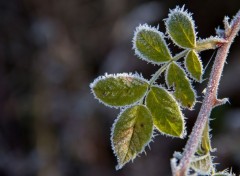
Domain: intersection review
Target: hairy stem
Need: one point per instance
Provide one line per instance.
(210, 99)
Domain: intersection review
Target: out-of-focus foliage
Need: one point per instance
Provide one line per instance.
(49, 53)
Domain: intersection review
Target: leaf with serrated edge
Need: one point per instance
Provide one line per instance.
(149, 45)
(120, 89)
(202, 164)
(181, 28)
(193, 65)
(184, 93)
(131, 132)
(225, 172)
(167, 116)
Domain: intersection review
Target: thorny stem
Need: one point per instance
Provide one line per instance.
(210, 99)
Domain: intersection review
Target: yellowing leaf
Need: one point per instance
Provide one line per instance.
(119, 90)
(209, 43)
(149, 45)
(194, 65)
(131, 133)
(205, 144)
(202, 164)
(180, 28)
(183, 92)
(167, 116)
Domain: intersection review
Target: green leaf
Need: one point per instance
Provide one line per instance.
(177, 78)
(131, 133)
(181, 29)
(149, 45)
(167, 116)
(119, 90)
(194, 65)
(202, 164)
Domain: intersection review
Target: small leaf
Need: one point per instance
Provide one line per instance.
(119, 90)
(181, 28)
(167, 116)
(202, 164)
(209, 43)
(205, 145)
(131, 133)
(177, 78)
(194, 65)
(149, 45)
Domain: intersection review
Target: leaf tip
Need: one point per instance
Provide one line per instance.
(132, 122)
(149, 45)
(181, 27)
(142, 27)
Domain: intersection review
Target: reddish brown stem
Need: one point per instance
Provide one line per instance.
(210, 99)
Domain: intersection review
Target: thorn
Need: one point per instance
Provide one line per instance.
(220, 32)
(226, 22)
(174, 166)
(177, 155)
(219, 102)
(227, 26)
(213, 149)
(204, 91)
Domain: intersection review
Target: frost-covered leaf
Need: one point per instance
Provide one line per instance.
(202, 164)
(193, 65)
(224, 173)
(167, 116)
(210, 43)
(149, 45)
(205, 144)
(119, 90)
(183, 92)
(181, 28)
(132, 131)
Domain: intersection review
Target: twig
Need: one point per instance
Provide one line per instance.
(210, 100)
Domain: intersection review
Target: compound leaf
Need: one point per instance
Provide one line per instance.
(181, 29)
(119, 90)
(149, 45)
(167, 116)
(193, 65)
(132, 131)
(177, 78)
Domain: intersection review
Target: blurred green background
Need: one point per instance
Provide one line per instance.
(50, 50)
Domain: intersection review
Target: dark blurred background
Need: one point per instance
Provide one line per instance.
(50, 50)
